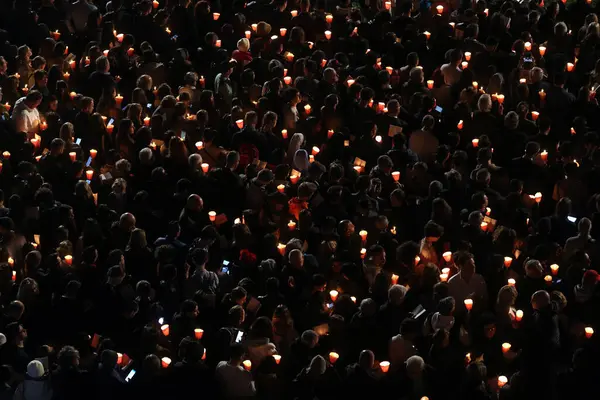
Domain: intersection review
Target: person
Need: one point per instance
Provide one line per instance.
(234, 379)
(26, 115)
(36, 384)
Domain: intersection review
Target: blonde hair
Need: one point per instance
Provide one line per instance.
(243, 44)
(66, 132)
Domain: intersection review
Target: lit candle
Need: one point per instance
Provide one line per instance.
(447, 256)
(542, 95)
(389, 70)
(334, 295)
(570, 67)
(363, 253)
(328, 35)
(93, 153)
(511, 282)
(330, 133)
(443, 277)
(363, 235)
(25, 89)
(7, 106)
(439, 9)
(507, 261)
(417, 260)
(119, 358)
(464, 64)
(506, 347)
(502, 380)
(573, 132)
(500, 98)
(446, 271)
(198, 333)
(73, 156)
(475, 85)
(147, 121)
(254, 27)
(11, 262)
(119, 100)
(216, 16)
(287, 80)
(218, 43)
(385, 366)
(281, 248)
(89, 174)
(528, 46)
(165, 362)
(395, 279)
(294, 13)
(468, 304)
(542, 50)
(538, 197)
(388, 5)
(284, 133)
(333, 357)
(548, 279)
(460, 125)
(589, 332)
(554, 269)
(56, 35)
(427, 34)
(535, 115)
(430, 84)
(282, 31)
(396, 176)
(350, 82)
(277, 358)
(307, 109)
(281, 189)
(239, 123)
(468, 55)
(519, 315)
(202, 80)
(522, 80)
(120, 37)
(248, 34)
(329, 18)
(294, 179)
(488, 211)
(484, 226)
(475, 142)
(357, 168)
(14, 276)
(155, 4)
(66, 76)
(378, 138)
(212, 216)
(165, 329)
(291, 224)
(315, 150)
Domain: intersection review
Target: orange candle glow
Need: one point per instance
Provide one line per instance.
(198, 333)
(439, 9)
(430, 84)
(11, 262)
(500, 98)
(538, 197)
(528, 46)
(417, 260)
(468, 304)
(165, 362)
(570, 67)
(475, 85)
(554, 269)
(218, 43)
(475, 142)
(284, 133)
(460, 125)
(330, 133)
(287, 80)
(281, 248)
(468, 55)
(396, 176)
(395, 279)
(502, 380)
(205, 167)
(589, 332)
(155, 4)
(248, 34)
(89, 174)
(334, 295)
(212, 216)
(447, 256)
(120, 37)
(427, 34)
(239, 123)
(315, 150)
(363, 235)
(363, 253)
(277, 358)
(281, 188)
(282, 31)
(519, 315)
(535, 115)
(484, 226)
(511, 282)
(165, 330)
(333, 357)
(93, 153)
(307, 109)
(443, 277)
(507, 261)
(542, 95)
(542, 50)
(506, 347)
(294, 179)
(73, 156)
(216, 16)
(291, 225)
(548, 279)
(328, 35)
(14, 276)
(385, 366)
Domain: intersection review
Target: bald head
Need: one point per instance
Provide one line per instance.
(127, 221)
(540, 300)
(194, 203)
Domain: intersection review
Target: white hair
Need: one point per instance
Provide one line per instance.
(484, 103)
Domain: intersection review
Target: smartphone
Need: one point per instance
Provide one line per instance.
(572, 219)
(88, 162)
(149, 106)
(330, 305)
(226, 267)
(174, 37)
(183, 135)
(239, 337)
(528, 59)
(130, 375)
(88, 181)
(78, 141)
(111, 121)
(439, 109)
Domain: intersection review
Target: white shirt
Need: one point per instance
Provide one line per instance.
(451, 74)
(235, 382)
(461, 289)
(26, 119)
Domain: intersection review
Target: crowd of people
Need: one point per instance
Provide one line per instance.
(299, 199)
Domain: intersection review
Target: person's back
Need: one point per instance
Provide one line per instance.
(235, 381)
(78, 15)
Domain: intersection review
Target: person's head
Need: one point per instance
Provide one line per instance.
(102, 64)
(507, 295)
(415, 366)
(309, 338)
(584, 226)
(484, 104)
(34, 99)
(466, 263)
(243, 45)
(68, 358)
(540, 300)
(296, 259)
(366, 360)
(41, 78)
